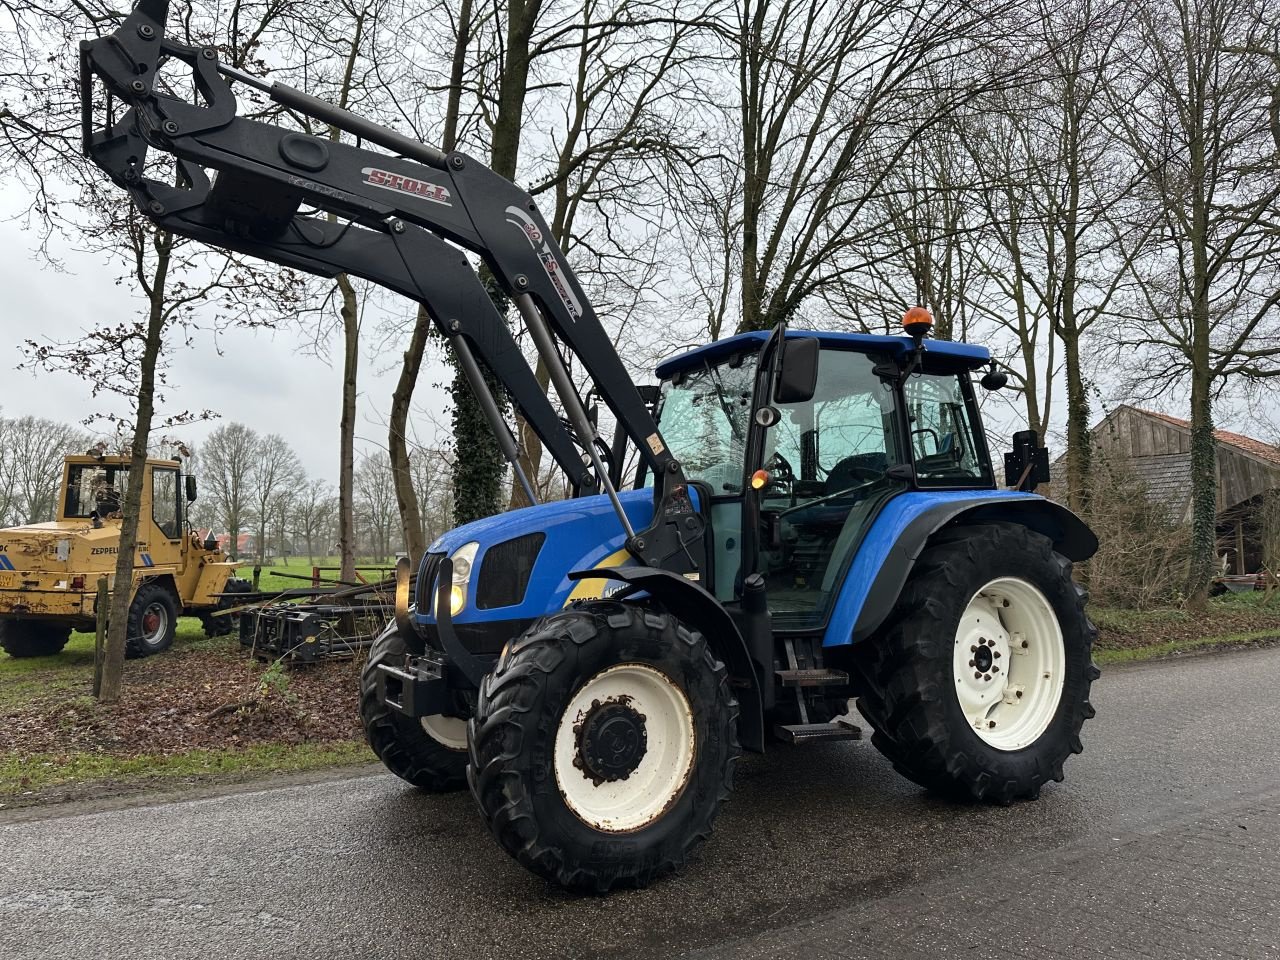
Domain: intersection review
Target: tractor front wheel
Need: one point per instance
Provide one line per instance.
(603, 746)
(979, 686)
(29, 638)
(429, 752)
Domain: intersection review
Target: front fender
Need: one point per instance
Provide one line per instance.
(900, 531)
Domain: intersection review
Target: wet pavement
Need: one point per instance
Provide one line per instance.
(1164, 841)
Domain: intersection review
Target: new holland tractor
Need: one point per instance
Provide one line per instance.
(815, 519)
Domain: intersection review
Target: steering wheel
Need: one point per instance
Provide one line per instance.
(780, 469)
(854, 468)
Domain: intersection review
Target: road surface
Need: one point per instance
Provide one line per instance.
(1164, 841)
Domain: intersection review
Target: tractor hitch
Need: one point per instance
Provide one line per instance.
(418, 689)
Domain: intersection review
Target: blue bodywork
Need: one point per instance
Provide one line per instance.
(884, 534)
(581, 533)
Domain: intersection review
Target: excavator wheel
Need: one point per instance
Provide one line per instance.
(27, 638)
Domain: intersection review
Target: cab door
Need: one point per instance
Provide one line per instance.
(163, 520)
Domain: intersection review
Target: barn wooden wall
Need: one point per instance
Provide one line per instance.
(1128, 432)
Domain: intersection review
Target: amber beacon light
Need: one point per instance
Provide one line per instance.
(917, 323)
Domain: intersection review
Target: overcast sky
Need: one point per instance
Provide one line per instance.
(265, 379)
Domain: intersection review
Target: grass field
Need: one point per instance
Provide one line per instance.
(270, 578)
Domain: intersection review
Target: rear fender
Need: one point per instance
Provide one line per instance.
(889, 551)
(700, 610)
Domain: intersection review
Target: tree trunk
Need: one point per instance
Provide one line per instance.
(347, 429)
(398, 442)
(477, 477)
(530, 446)
(398, 446)
(122, 592)
(1204, 480)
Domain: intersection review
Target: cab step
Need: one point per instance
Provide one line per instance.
(812, 678)
(814, 732)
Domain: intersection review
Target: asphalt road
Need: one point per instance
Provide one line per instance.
(1163, 841)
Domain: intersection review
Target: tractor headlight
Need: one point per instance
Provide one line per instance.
(464, 559)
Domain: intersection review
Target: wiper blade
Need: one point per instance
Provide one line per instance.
(724, 400)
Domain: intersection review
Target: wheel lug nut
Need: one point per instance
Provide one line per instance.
(991, 724)
(997, 654)
(977, 675)
(971, 663)
(1025, 644)
(995, 669)
(1019, 694)
(974, 648)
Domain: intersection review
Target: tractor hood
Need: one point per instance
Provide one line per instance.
(578, 534)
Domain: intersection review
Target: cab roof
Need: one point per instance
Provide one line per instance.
(965, 353)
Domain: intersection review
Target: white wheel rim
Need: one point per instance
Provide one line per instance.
(1009, 663)
(648, 791)
(449, 732)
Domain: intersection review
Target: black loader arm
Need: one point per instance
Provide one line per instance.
(243, 185)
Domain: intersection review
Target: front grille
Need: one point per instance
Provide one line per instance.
(505, 572)
(427, 583)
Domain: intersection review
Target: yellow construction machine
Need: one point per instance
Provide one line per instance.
(49, 572)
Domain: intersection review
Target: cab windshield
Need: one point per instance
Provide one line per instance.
(95, 489)
(705, 415)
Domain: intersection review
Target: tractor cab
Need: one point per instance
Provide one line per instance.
(811, 474)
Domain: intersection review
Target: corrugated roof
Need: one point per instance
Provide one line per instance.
(1256, 448)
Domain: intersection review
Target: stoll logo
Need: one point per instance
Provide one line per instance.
(424, 189)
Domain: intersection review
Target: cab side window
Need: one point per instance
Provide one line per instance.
(943, 442)
(164, 502)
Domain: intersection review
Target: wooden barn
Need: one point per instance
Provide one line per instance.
(1158, 447)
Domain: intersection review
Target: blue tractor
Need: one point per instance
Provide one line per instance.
(811, 520)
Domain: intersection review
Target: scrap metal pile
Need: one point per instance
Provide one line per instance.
(306, 624)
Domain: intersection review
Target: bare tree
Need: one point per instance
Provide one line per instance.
(376, 504)
(1196, 119)
(827, 101)
(314, 510)
(274, 471)
(31, 468)
(39, 146)
(227, 463)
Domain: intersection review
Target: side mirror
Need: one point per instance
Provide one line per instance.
(798, 377)
(191, 488)
(994, 379)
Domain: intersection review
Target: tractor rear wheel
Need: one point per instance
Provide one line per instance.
(153, 621)
(979, 685)
(430, 752)
(29, 638)
(603, 745)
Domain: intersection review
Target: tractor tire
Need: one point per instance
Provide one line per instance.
(153, 621)
(603, 746)
(979, 685)
(221, 626)
(28, 638)
(431, 752)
